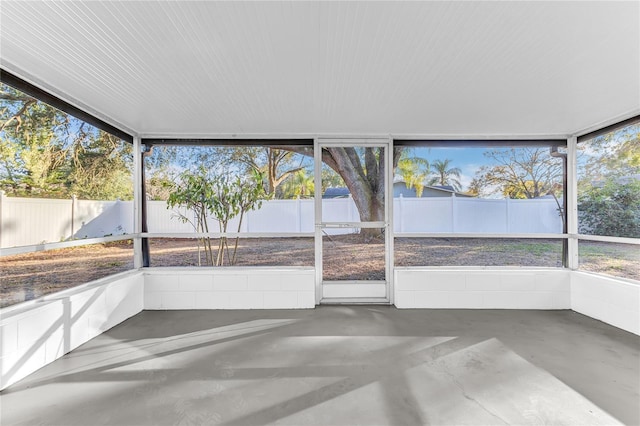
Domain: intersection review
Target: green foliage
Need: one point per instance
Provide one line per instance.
(414, 171)
(609, 185)
(47, 153)
(220, 196)
(298, 185)
(612, 209)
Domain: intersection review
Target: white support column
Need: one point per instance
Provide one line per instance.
(2, 197)
(137, 202)
(389, 232)
(317, 176)
(572, 201)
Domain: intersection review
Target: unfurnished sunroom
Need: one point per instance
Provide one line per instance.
(320, 212)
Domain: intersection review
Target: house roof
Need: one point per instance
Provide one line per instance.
(206, 69)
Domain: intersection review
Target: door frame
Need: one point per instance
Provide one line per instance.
(387, 224)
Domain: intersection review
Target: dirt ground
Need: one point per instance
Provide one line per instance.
(347, 257)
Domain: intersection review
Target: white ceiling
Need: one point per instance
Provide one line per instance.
(182, 68)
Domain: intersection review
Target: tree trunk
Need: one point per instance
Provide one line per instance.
(364, 177)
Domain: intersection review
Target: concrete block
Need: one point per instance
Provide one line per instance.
(264, 282)
(298, 282)
(152, 300)
(38, 324)
(514, 281)
(161, 282)
(552, 281)
(179, 300)
(483, 281)
(230, 282)
(195, 282)
(280, 300)
(54, 346)
(9, 337)
(246, 300)
(626, 319)
(623, 295)
(306, 299)
(212, 300)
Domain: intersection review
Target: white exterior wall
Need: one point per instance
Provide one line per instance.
(35, 333)
(461, 288)
(611, 300)
(229, 288)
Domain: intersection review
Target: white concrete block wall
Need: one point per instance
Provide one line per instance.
(229, 288)
(35, 333)
(608, 299)
(482, 289)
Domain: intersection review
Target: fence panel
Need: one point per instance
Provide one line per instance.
(534, 216)
(97, 219)
(27, 221)
(423, 215)
(480, 215)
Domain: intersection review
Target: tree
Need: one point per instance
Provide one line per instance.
(445, 175)
(363, 172)
(101, 167)
(518, 173)
(612, 209)
(609, 183)
(222, 196)
(33, 154)
(45, 152)
(414, 171)
(275, 164)
(614, 154)
(298, 185)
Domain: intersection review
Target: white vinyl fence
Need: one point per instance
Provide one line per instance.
(28, 221)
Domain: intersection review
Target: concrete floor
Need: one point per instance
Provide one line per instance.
(340, 365)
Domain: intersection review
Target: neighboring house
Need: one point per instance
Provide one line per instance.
(400, 188)
(340, 192)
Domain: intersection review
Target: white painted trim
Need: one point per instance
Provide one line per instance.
(389, 235)
(317, 205)
(359, 136)
(386, 143)
(623, 240)
(10, 251)
(137, 201)
(572, 202)
(476, 235)
(606, 123)
(225, 234)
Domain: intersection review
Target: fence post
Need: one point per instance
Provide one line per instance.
(2, 197)
(507, 205)
(454, 212)
(400, 209)
(299, 214)
(73, 216)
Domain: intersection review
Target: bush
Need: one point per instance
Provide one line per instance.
(612, 210)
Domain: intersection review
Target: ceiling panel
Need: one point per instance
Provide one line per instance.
(208, 68)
